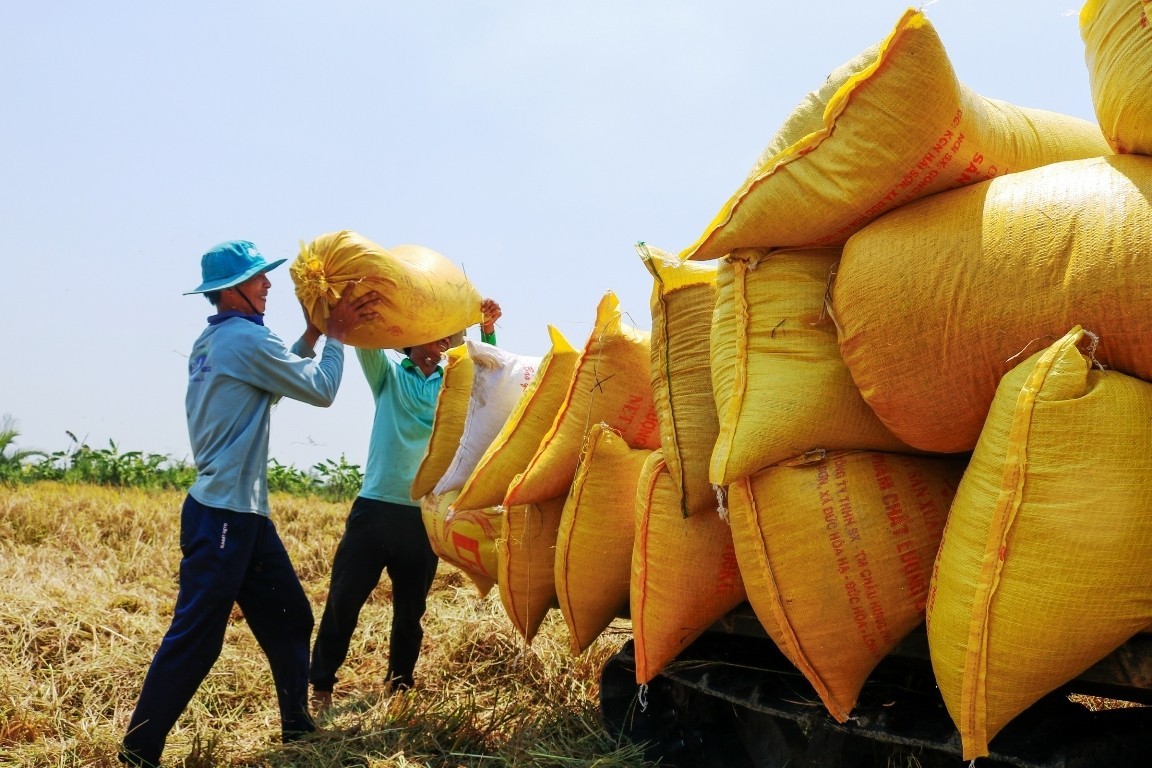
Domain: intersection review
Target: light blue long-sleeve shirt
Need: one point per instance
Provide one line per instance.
(238, 369)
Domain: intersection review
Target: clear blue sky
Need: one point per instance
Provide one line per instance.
(533, 143)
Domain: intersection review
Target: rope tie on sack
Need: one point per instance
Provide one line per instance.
(1092, 349)
(720, 508)
(642, 697)
(826, 306)
(1048, 339)
(312, 286)
(811, 456)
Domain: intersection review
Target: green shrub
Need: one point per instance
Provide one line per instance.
(13, 463)
(83, 464)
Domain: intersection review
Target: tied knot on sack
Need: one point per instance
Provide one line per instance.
(311, 280)
(1093, 343)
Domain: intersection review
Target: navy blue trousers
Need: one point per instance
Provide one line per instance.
(228, 558)
(378, 535)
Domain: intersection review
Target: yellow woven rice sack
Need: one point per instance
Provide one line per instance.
(526, 562)
(1046, 562)
(683, 297)
(499, 380)
(594, 542)
(425, 296)
(447, 422)
(466, 540)
(1118, 51)
(837, 555)
(684, 572)
(781, 386)
(611, 384)
(935, 302)
(516, 444)
(888, 127)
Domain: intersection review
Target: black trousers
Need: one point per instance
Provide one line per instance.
(228, 557)
(378, 536)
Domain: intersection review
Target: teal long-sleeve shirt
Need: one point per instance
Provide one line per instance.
(405, 411)
(237, 371)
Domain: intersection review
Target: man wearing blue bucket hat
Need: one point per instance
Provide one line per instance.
(231, 551)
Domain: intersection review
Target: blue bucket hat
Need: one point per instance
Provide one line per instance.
(231, 263)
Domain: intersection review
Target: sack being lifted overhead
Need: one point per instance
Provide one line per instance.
(426, 296)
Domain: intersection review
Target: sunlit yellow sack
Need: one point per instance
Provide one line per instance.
(781, 387)
(526, 561)
(425, 296)
(1118, 50)
(594, 543)
(499, 380)
(837, 555)
(1045, 565)
(611, 384)
(684, 572)
(516, 444)
(888, 127)
(448, 421)
(466, 540)
(683, 298)
(935, 302)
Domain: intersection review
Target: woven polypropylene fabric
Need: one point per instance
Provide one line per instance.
(782, 388)
(526, 563)
(597, 530)
(837, 556)
(610, 384)
(466, 540)
(1046, 562)
(889, 127)
(684, 572)
(938, 300)
(518, 440)
(1118, 51)
(499, 381)
(683, 300)
(447, 422)
(424, 295)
